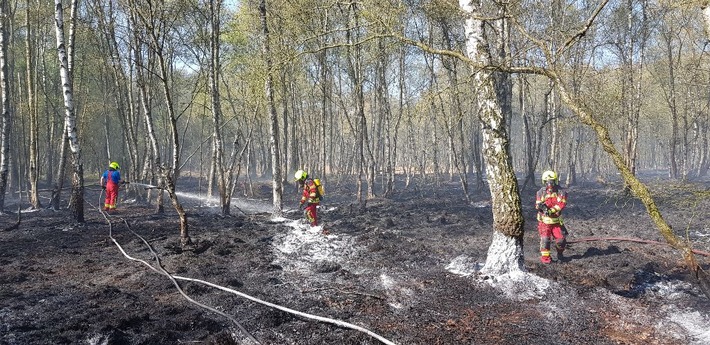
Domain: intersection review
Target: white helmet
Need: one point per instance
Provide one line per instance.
(300, 175)
(550, 175)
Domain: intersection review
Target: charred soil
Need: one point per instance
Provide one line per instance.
(403, 267)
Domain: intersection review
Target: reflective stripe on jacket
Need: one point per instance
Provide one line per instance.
(310, 192)
(555, 199)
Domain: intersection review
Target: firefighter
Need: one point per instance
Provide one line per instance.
(110, 180)
(310, 198)
(550, 200)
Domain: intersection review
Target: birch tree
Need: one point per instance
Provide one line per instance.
(214, 78)
(77, 196)
(4, 103)
(505, 253)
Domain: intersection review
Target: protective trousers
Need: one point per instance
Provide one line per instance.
(111, 195)
(547, 232)
(311, 214)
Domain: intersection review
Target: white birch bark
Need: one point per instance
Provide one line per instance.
(4, 105)
(505, 253)
(77, 197)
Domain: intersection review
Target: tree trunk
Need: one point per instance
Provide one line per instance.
(277, 183)
(225, 196)
(77, 196)
(171, 174)
(454, 128)
(505, 253)
(33, 114)
(705, 8)
(167, 175)
(145, 98)
(552, 111)
(671, 100)
(4, 103)
(121, 95)
(530, 145)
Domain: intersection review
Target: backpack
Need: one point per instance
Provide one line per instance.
(319, 188)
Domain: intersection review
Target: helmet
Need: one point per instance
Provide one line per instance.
(550, 175)
(114, 165)
(300, 175)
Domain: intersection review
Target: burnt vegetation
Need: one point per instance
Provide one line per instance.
(384, 269)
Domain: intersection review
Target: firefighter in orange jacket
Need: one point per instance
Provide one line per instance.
(310, 198)
(550, 200)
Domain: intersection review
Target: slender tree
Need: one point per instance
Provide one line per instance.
(505, 253)
(277, 183)
(155, 22)
(214, 78)
(32, 112)
(4, 103)
(77, 196)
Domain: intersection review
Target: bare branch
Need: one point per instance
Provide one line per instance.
(584, 29)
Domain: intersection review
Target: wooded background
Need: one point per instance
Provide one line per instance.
(228, 91)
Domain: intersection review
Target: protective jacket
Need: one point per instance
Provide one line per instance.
(311, 199)
(111, 179)
(549, 202)
(555, 199)
(310, 192)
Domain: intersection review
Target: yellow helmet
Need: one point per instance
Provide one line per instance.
(114, 165)
(300, 175)
(550, 175)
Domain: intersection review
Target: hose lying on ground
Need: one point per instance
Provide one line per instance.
(173, 278)
(630, 239)
(162, 271)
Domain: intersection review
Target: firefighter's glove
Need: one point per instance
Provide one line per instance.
(551, 211)
(542, 207)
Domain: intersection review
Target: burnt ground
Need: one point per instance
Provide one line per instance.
(403, 269)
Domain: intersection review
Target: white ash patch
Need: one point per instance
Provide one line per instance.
(695, 325)
(303, 247)
(463, 265)
(516, 285)
(669, 289)
(504, 255)
(398, 295)
(520, 286)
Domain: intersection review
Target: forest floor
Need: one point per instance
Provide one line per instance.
(404, 269)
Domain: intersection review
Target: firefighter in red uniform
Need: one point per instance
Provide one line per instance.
(310, 198)
(110, 180)
(550, 200)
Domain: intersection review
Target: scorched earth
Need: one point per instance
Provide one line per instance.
(402, 271)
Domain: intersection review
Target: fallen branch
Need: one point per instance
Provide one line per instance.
(629, 239)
